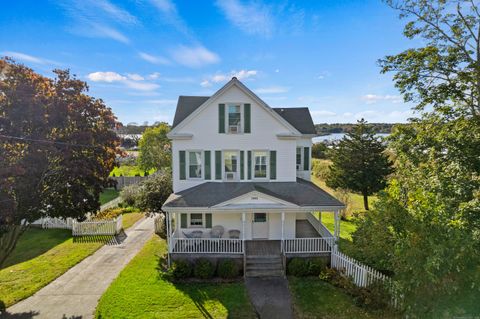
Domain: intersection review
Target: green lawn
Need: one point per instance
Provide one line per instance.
(131, 218)
(314, 298)
(41, 256)
(108, 194)
(140, 291)
(129, 170)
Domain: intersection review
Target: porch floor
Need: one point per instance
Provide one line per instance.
(303, 229)
(262, 247)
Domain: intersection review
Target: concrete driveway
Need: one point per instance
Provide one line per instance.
(75, 294)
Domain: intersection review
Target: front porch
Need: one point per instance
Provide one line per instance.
(237, 234)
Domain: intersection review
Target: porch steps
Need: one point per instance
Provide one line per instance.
(264, 266)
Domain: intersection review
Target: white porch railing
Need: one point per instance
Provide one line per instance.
(308, 245)
(97, 227)
(206, 245)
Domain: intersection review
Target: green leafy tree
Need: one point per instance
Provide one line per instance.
(319, 150)
(57, 148)
(359, 163)
(155, 148)
(154, 191)
(426, 228)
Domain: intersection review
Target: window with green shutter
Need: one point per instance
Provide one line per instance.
(183, 170)
(183, 220)
(208, 170)
(218, 164)
(242, 165)
(247, 111)
(249, 164)
(306, 158)
(221, 118)
(208, 220)
(273, 164)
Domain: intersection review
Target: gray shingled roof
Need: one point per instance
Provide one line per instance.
(299, 118)
(186, 105)
(301, 193)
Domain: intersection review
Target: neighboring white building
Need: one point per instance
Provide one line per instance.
(241, 180)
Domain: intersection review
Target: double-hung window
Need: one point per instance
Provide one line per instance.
(196, 220)
(260, 164)
(230, 159)
(194, 164)
(234, 118)
(299, 159)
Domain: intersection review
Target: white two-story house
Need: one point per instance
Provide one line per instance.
(241, 181)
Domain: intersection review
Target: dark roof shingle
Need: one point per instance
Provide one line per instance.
(301, 193)
(187, 105)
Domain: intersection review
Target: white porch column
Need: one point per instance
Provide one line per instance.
(283, 229)
(243, 231)
(167, 222)
(336, 230)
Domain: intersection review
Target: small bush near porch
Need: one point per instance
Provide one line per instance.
(141, 291)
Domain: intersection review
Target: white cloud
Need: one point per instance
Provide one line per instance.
(373, 98)
(171, 16)
(272, 90)
(322, 113)
(114, 11)
(132, 81)
(154, 59)
(194, 57)
(28, 58)
(252, 18)
(106, 77)
(224, 77)
(371, 116)
(135, 77)
(154, 76)
(277, 70)
(100, 30)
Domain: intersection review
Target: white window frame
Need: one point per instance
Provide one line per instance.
(227, 115)
(201, 164)
(301, 159)
(267, 159)
(224, 172)
(189, 220)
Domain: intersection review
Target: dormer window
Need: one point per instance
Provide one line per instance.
(234, 118)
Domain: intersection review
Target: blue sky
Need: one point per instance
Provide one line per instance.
(140, 55)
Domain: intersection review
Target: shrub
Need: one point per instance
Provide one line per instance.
(344, 196)
(129, 194)
(181, 269)
(154, 191)
(319, 150)
(228, 269)
(321, 168)
(298, 267)
(161, 226)
(204, 269)
(112, 213)
(375, 296)
(316, 266)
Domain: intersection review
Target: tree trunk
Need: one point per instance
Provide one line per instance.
(365, 201)
(8, 240)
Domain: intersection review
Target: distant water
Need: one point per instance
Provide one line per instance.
(338, 136)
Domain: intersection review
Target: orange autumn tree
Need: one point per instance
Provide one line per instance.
(57, 148)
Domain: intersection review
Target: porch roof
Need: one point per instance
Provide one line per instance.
(300, 193)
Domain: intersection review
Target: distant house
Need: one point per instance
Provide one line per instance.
(241, 181)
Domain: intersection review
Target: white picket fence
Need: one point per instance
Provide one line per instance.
(53, 222)
(362, 275)
(97, 227)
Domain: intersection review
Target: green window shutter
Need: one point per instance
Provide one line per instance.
(208, 220)
(246, 111)
(183, 220)
(249, 163)
(208, 170)
(183, 170)
(273, 164)
(218, 164)
(306, 158)
(221, 118)
(242, 165)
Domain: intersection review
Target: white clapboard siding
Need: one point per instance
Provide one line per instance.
(207, 245)
(97, 227)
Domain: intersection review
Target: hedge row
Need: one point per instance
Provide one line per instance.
(301, 267)
(204, 269)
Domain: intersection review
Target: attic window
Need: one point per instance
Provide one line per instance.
(234, 118)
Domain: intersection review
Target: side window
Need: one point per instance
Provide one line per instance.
(299, 159)
(195, 164)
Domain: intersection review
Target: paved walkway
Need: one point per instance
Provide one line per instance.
(270, 297)
(75, 294)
